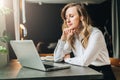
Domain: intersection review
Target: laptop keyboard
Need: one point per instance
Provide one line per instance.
(48, 66)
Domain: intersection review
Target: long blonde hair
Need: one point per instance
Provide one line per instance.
(85, 29)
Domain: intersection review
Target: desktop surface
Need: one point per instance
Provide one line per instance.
(15, 71)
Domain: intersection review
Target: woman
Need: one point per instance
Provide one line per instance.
(85, 41)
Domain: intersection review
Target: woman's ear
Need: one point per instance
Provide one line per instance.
(81, 18)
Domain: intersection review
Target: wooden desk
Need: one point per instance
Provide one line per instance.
(46, 54)
(15, 71)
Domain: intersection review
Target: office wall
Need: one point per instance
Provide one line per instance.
(43, 22)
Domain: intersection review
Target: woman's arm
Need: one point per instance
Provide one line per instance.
(95, 44)
(61, 50)
(63, 47)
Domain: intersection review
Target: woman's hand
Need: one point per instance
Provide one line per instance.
(66, 56)
(67, 33)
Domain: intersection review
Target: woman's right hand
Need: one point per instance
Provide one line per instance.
(67, 33)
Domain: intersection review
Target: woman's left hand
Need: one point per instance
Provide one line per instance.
(66, 56)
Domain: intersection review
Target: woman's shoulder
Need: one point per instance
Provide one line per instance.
(95, 30)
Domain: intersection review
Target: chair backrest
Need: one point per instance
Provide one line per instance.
(43, 47)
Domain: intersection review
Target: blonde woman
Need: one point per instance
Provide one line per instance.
(85, 41)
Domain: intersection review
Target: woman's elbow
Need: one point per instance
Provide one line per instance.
(57, 59)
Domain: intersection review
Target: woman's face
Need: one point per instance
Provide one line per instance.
(72, 18)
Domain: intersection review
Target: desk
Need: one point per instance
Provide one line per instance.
(15, 71)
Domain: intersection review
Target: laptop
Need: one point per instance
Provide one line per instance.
(28, 56)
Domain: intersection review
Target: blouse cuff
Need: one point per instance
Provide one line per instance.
(68, 60)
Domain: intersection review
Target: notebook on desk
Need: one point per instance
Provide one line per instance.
(28, 56)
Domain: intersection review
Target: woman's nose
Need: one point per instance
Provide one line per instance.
(68, 20)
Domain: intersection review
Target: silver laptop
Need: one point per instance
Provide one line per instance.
(28, 56)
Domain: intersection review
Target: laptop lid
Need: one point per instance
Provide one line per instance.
(28, 56)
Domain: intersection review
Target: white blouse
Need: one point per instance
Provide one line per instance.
(95, 54)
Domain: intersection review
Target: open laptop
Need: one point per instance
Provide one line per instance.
(28, 56)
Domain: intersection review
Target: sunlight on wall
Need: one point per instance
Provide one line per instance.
(1, 3)
(2, 18)
(2, 25)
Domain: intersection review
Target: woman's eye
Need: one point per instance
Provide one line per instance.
(71, 16)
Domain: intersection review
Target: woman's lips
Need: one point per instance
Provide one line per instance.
(70, 24)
